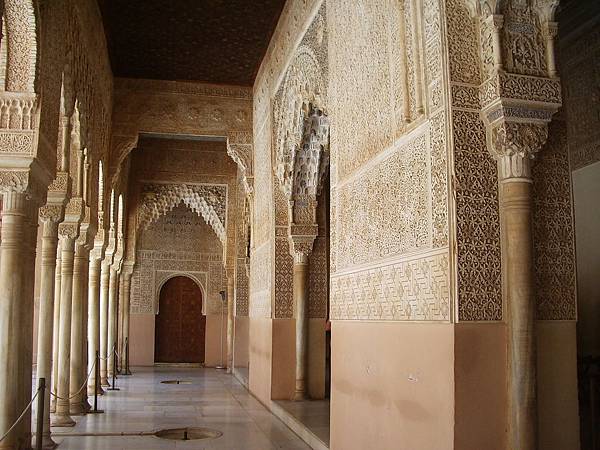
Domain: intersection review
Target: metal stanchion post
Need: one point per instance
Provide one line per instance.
(96, 385)
(39, 429)
(114, 373)
(127, 371)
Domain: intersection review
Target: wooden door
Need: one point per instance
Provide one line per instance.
(180, 326)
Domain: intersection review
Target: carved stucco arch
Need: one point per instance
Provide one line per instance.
(162, 278)
(303, 88)
(208, 201)
(22, 45)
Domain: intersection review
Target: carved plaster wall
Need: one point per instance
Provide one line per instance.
(390, 233)
(179, 242)
(381, 86)
(580, 65)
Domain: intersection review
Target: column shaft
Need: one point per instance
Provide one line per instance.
(46, 317)
(126, 303)
(12, 302)
(26, 323)
(112, 320)
(62, 416)
(104, 282)
(93, 318)
(77, 405)
(230, 302)
(55, 328)
(300, 291)
(515, 207)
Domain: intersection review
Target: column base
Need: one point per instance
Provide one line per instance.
(104, 382)
(62, 420)
(47, 442)
(77, 409)
(90, 391)
(300, 396)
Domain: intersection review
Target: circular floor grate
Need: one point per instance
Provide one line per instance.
(176, 382)
(188, 434)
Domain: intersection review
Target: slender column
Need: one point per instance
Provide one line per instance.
(112, 319)
(104, 285)
(55, 327)
(77, 404)
(50, 215)
(68, 234)
(300, 292)
(12, 302)
(26, 323)
(119, 335)
(230, 302)
(514, 145)
(93, 318)
(126, 303)
(515, 210)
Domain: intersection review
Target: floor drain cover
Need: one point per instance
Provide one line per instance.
(176, 382)
(188, 434)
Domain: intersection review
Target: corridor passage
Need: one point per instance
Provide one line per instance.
(212, 400)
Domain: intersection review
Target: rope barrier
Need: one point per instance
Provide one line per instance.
(21, 416)
(80, 389)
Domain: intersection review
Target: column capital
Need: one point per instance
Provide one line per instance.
(51, 213)
(515, 145)
(301, 247)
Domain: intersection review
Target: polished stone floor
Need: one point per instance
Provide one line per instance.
(212, 400)
(312, 414)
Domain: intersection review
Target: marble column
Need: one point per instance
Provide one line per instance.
(77, 368)
(13, 299)
(26, 324)
(230, 328)
(300, 293)
(104, 287)
(112, 320)
(68, 234)
(126, 305)
(50, 216)
(55, 327)
(93, 318)
(515, 210)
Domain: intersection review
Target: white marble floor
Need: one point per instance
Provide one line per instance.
(212, 400)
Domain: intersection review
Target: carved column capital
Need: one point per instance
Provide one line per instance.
(514, 145)
(51, 213)
(301, 247)
(68, 230)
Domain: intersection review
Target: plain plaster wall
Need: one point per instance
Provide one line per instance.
(240, 348)
(260, 358)
(392, 386)
(480, 386)
(141, 334)
(558, 410)
(586, 194)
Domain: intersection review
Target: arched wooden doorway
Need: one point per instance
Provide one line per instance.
(180, 327)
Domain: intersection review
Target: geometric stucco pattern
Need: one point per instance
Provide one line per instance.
(478, 260)
(390, 229)
(580, 61)
(554, 253)
(414, 289)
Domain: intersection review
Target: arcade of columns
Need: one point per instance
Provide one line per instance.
(77, 189)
